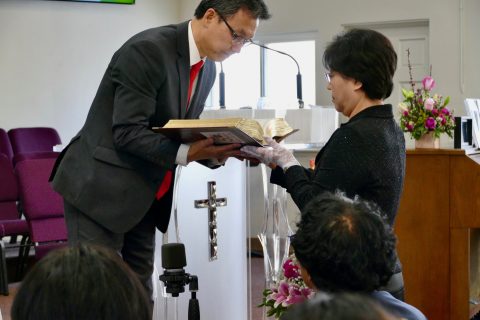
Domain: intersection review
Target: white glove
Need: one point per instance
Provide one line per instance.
(274, 153)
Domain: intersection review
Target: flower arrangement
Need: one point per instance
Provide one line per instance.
(423, 112)
(290, 290)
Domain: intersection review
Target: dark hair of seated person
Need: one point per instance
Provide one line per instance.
(81, 282)
(341, 306)
(345, 244)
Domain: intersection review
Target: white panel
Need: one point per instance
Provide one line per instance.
(417, 51)
(223, 282)
(316, 124)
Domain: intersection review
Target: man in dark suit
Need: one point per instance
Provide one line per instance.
(115, 175)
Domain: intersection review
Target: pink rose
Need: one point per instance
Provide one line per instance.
(441, 119)
(435, 112)
(428, 83)
(290, 270)
(430, 123)
(429, 103)
(445, 111)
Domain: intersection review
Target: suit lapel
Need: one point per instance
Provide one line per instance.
(183, 66)
(184, 75)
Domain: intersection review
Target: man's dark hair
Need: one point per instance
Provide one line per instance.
(342, 306)
(345, 244)
(227, 8)
(366, 56)
(81, 282)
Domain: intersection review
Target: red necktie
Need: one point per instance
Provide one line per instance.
(194, 70)
(167, 180)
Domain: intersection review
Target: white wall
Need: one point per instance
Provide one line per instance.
(328, 17)
(54, 53)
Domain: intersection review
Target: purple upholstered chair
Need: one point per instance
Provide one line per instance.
(10, 222)
(5, 145)
(42, 206)
(32, 141)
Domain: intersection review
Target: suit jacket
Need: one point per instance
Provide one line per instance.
(113, 167)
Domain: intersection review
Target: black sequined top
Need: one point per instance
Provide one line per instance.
(364, 157)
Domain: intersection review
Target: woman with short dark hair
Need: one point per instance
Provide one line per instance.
(366, 155)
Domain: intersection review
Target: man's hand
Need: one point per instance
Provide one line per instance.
(205, 149)
(272, 155)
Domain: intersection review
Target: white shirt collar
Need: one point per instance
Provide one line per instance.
(192, 46)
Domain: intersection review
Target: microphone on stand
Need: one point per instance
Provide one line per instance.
(299, 76)
(175, 278)
(222, 87)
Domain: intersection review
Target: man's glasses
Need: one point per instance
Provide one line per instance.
(236, 39)
(328, 76)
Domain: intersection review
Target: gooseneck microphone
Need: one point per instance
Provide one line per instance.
(299, 75)
(222, 87)
(175, 278)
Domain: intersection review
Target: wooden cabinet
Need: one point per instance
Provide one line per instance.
(439, 207)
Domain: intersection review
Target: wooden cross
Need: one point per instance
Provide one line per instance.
(212, 203)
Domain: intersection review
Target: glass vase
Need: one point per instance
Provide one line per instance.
(428, 140)
(276, 231)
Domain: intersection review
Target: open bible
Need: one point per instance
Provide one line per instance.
(227, 130)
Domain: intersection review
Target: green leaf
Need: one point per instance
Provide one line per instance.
(408, 94)
(447, 100)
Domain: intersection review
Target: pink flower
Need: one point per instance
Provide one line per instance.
(435, 112)
(430, 123)
(445, 111)
(281, 294)
(429, 103)
(428, 83)
(289, 293)
(441, 119)
(405, 113)
(296, 295)
(290, 270)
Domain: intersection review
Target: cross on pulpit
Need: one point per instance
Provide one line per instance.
(212, 203)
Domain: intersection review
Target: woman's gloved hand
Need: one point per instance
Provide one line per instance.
(273, 153)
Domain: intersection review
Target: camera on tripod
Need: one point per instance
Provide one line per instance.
(175, 278)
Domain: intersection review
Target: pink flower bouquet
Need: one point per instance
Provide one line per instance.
(422, 112)
(288, 291)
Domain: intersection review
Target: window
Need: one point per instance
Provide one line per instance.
(242, 80)
(281, 74)
(245, 72)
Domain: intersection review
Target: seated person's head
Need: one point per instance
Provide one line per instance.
(81, 282)
(342, 306)
(344, 245)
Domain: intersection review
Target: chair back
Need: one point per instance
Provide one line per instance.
(5, 145)
(42, 206)
(36, 139)
(8, 190)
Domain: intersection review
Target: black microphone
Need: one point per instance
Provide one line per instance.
(173, 261)
(299, 76)
(175, 278)
(222, 87)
